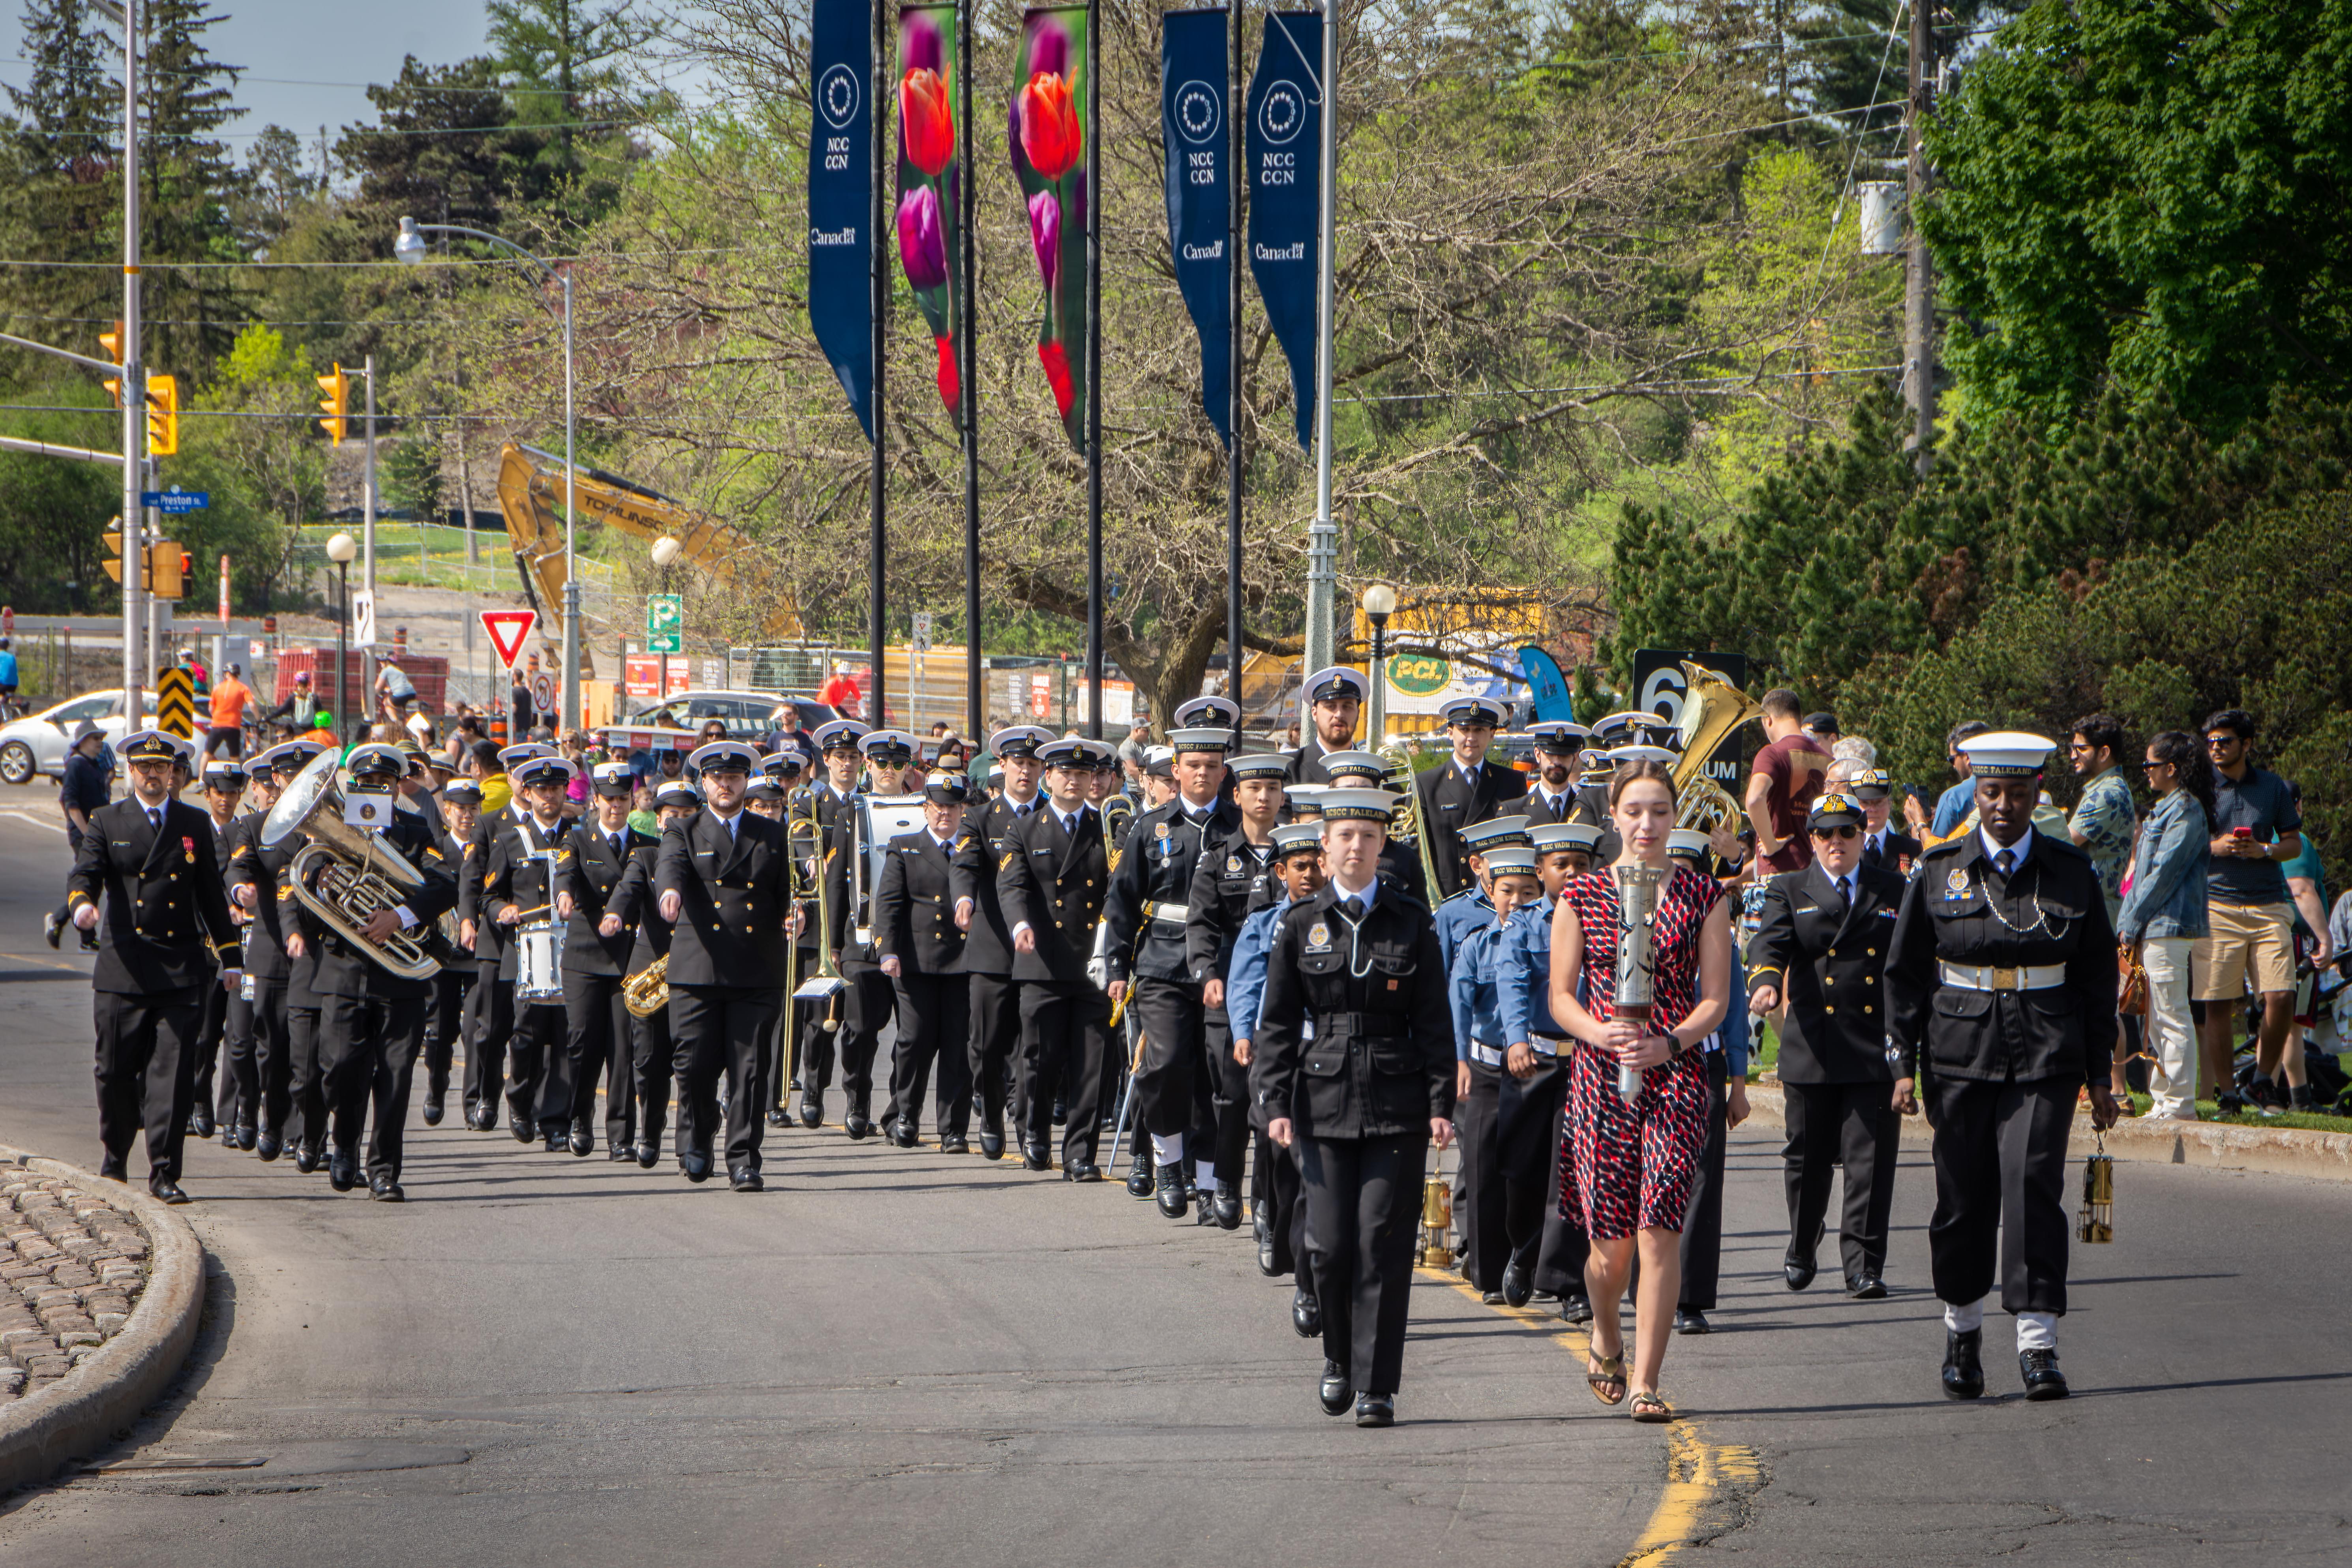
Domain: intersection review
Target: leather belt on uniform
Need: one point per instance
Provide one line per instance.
(1175, 914)
(1486, 1055)
(1986, 977)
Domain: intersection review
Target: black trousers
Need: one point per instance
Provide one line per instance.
(1507, 1132)
(596, 1050)
(239, 1094)
(651, 1065)
(1856, 1124)
(1229, 1097)
(146, 1071)
(306, 1086)
(265, 1071)
(1560, 1255)
(995, 1006)
(862, 1008)
(1479, 1190)
(212, 1036)
(1363, 1214)
(1064, 1041)
(367, 1053)
(539, 1090)
(719, 1028)
(1273, 1198)
(1169, 1014)
(2001, 1190)
(934, 1026)
(490, 1024)
(1702, 1242)
(445, 1016)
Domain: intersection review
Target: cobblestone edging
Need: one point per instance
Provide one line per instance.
(100, 1289)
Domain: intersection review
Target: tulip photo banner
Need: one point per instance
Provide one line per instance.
(1283, 135)
(1195, 129)
(1047, 137)
(840, 197)
(930, 225)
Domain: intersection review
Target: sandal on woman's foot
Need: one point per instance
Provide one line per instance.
(1651, 1408)
(1605, 1375)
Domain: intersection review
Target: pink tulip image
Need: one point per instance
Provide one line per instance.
(1046, 233)
(922, 241)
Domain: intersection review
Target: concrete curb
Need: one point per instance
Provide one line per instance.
(84, 1410)
(2216, 1145)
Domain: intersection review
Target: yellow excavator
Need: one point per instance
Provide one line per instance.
(531, 494)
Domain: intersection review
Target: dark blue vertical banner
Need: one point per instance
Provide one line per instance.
(1282, 140)
(841, 196)
(1192, 112)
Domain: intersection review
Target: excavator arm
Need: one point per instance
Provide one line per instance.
(530, 495)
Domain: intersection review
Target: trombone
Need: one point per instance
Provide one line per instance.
(826, 983)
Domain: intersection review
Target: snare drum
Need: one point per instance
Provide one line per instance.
(539, 964)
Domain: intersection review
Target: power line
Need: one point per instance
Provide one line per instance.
(1718, 383)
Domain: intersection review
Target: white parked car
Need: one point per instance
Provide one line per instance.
(36, 746)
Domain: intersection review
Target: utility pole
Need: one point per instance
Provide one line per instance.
(1323, 534)
(1919, 282)
(367, 548)
(135, 385)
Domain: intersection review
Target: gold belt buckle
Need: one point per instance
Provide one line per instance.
(2004, 979)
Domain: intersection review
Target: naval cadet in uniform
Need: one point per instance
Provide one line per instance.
(1465, 789)
(166, 937)
(634, 908)
(2001, 1000)
(1559, 754)
(921, 949)
(988, 955)
(1334, 700)
(595, 957)
(1228, 887)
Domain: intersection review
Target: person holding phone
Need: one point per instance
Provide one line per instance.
(2250, 920)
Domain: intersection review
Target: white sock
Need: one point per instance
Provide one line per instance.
(1168, 1150)
(1961, 1320)
(1206, 1180)
(2037, 1331)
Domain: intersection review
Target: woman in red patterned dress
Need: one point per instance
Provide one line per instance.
(1626, 1170)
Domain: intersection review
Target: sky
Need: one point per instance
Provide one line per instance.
(307, 63)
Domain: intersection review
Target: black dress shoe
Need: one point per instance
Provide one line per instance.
(903, 1135)
(1061, 1113)
(1691, 1320)
(558, 1141)
(2042, 1378)
(1575, 1310)
(956, 1143)
(856, 1126)
(165, 1190)
(385, 1190)
(1037, 1157)
(1266, 1259)
(744, 1179)
(51, 927)
(342, 1171)
(115, 1168)
(525, 1131)
(433, 1107)
(200, 1121)
(583, 1139)
(1866, 1287)
(1306, 1313)
(1797, 1275)
(1375, 1410)
(1139, 1183)
(1963, 1370)
(305, 1158)
(992, 1145)
(780, 1117)
(1490, 1298)
(1518, 1285)
(1333, 1392)
(267, 1147)
(483, 1118)
(811, 1110)
(617, 1150)
(248, 1138)
(1081, 1171)
(1171, 1193)
(647, 1153)
(694, 1167)
(1228, 1205)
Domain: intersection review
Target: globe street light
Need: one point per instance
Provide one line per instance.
(664, 551)
(408, 246)
(342, 550)
(1380, 603)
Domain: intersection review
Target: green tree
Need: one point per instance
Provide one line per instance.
(268, 475)
(188, 181)
(60, 192)
(2150, 194)
(53, 510)
(440, 151)
(572, 63)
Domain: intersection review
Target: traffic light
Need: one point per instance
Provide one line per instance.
(162, 415)
(114, 536)
(167, 569)
(337, 403)
(112, 343)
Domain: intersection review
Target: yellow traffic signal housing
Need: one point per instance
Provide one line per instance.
(113, 537)
(337, 403)
(162, 415)
(165, 579)
(112, 343)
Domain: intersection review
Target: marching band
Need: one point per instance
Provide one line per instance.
(1281, 979)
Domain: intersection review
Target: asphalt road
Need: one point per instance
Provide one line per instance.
(895, 1357)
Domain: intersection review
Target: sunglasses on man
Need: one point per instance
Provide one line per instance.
(1837, 832)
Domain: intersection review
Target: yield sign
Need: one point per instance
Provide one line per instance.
(507, 628)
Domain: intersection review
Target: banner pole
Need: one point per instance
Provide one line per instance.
(967, 373)
(1323, 538)
(1093, 378)
(1234, 170)
(880, 292)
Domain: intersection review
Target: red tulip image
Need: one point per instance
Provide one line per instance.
(950, 387)
(925, 124)
(1056, 360)
(1050, 138)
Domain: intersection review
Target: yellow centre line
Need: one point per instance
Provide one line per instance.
(1700, 1475)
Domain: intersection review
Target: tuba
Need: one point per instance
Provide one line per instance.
(1712, 709)
(646, 992)
(1407, 823)
(358, 874)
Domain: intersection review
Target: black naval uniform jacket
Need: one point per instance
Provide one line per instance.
(1306, 761)
(1155, 873)
(736, 893)
(1898, 851)
(1229, 885)
(518, 878)
(1537, 807)
(166, 925)
(265, 871)
(1449, 803)
(344, 969)
(1379, 1062)
(1057, 885)
(473, 869)
(1957, 909)
(914, 904)
(980, 850)
(1829, 959)
(639, 907)
(591, 874)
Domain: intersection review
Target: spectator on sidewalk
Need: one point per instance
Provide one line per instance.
(2250, 918)
(2164, 915)
(1957, 802)
(2102, 824)
(87, 785)
(230, 698)
(1787, 776)
(394, 691)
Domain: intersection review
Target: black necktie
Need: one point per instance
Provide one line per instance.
(155, 820)
(1871, 854)
(615, 842)
(1845, 889)
(1353, 907)
(2005, 862)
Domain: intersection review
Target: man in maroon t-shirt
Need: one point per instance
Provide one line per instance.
(1787, 776)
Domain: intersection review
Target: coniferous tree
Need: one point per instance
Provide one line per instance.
(187, 182)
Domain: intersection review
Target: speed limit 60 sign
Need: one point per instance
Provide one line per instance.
(1658, 688)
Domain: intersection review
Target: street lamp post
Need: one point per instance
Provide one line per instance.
(408, 246)
(1380, 603)
(342, 550)
(664, 552)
